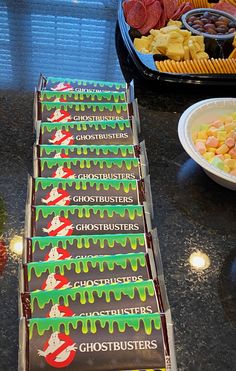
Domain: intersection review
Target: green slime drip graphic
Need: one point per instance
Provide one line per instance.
(84, 241)
(117, 85)
(85, 125)
(84, 184)
(85, 264)
(87, 163)
(131, 211)
(84, 150)
(90, 324)
(94, 96)
(118, 107)
(83, 295)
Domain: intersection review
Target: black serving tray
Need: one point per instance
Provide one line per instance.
(145, 63)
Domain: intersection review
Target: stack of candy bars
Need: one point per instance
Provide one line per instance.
(92, 292)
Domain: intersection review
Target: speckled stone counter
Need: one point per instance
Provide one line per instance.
(191, 211)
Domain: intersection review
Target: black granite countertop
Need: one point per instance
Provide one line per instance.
(192, 213)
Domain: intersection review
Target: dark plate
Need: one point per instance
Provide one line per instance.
(146, 62)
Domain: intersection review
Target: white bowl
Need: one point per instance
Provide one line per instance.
(200, 113)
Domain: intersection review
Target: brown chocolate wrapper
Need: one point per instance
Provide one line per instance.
(79, 85)
(66, 112)
(63, 192)
(106, 343)
(90, 168)
(99, 270)
(71, 151)
(61, 221)
(117, 132)
(126, 298)
(86, 96)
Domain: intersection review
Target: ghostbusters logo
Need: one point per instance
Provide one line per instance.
(62, 86)
(57, 253)
(59, 226)
(62, 137)
(63, 172)
(55, 282)
(58, 197)
(60, 311)
(61, 155)
(58, 100)
(60, 116)
(59, 351)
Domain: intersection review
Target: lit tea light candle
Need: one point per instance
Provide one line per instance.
(16, 245)
(199, 261)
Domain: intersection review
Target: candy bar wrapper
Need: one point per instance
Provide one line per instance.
(61, 84)
(96, 343)
(63, 192)
(58, 248)
(77, 220)
(126, 298)
(116, 132)
(73, 151)
(84, 97)
(91, 168)
(99, 270)
(87, 111)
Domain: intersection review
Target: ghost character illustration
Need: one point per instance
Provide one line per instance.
(59, 226)
(62, 86)
(62, 137)
(55, 281)
(59, 116)
(63, 172)
(54, 343)
(57, 253)
(56, 197)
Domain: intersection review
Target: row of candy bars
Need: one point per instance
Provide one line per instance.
(92, 292)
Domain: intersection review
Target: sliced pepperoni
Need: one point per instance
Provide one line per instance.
(170, 7)
(136, 13)
(148, 2)
(154, 11)
(183, 8)
(162, 21)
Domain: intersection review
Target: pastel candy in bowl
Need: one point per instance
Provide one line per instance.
(191, 121)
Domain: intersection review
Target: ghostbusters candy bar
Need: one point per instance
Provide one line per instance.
(78, 220)
(96, 343)
(79, 96)
(99, 270)
(116, 132)
(60, 84)
(125, 298)
(63, 192)
(60, 248)
(87, 111)
(90, 168)
(73, 151)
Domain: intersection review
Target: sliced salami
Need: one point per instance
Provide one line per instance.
(183, 8)
(154, 11)
(135, 13)
(162, 20)
(148, 2)
(169, 7)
